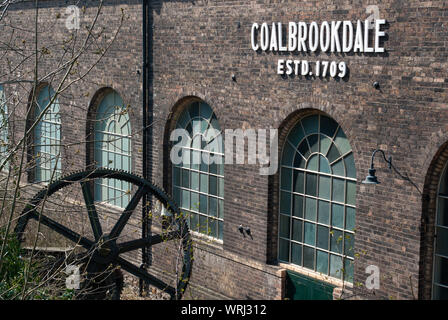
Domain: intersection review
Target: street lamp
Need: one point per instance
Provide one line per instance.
(371, 178)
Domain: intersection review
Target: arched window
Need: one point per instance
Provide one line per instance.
(112, 149)
(317, 198)
(47, 137)
(3, 126)
(440, 274)
(198, 182)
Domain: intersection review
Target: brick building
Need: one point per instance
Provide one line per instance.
(313, 222)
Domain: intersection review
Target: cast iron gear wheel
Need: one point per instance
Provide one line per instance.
(104, 251)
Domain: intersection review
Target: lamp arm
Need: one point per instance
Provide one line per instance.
(388, 161)
(391, 166)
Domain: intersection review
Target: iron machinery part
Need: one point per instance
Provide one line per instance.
(103, 252)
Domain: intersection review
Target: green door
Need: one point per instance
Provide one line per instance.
(300, 287)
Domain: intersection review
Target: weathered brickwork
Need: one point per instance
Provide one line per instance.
(196, 47)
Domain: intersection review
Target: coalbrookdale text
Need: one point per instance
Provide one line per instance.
(334, 36)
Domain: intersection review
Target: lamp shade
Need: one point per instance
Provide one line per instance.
(371, 178)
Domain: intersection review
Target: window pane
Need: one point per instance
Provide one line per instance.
(348, 270)
(310, 233)
(194, 222)
(324, 166)
(195, 181)
(342, 142)
(283, 250)
(213, 206)
(324, 144)
(296, 135)
(204, 183)
(338, 190)
(311, 124)
(203, 205)
(440, 293)
(221, 208)
(220, 230)
(324, 187)
(212, 228)
(349, 243)
(186, 158)
(336, 241)
(286, 178)
(194, 205)
(322, 262)
(336, 266)
(284, 226)
(308, 257)
(288, 155)
(185, 199)
(205, 160)
(313, 164)
(221, 187)
(350, 218)
(296, 253)
(328, 126)
(298, 206)
(304, 150)
(299, 161)
(311, 209)
(350, 166)
(338, 168)
(299, 179)
(196, 143)
(324, 212)
(285, 203)
(185, 178)
(442, 241)
(297, 230)
(176, 195)
(203, 228)
(314, 143)
(441, 270)
(311, 184)
(442, 212)
(337, 216)
(322, 237)
(351, 192)
(196, 160)
(333, 153)
(213, 185)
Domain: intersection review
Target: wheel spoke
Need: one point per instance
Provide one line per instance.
(91, 210)
(119, 226)
(62, 230)
(152, 240)
(129, 267)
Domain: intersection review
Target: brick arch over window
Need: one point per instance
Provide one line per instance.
(197, 187)
(428, 223)
(315, 193)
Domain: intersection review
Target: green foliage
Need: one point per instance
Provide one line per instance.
(14, 273)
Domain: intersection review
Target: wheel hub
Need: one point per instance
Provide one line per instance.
(105, 251)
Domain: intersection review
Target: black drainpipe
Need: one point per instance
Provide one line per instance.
(147, 119)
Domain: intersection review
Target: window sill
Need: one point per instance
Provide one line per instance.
(203, 239)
